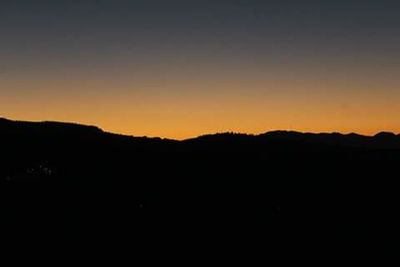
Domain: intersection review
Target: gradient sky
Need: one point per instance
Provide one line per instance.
(178, 69)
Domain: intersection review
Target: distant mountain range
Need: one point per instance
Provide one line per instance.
(69, 181)
(387, 140)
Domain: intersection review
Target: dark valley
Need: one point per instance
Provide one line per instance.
(78, 183)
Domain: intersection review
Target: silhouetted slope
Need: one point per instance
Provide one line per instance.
(381, 140)
(78, 182)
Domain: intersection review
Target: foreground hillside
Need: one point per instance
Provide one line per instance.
(68, 181)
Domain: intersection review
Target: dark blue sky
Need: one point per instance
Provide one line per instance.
(219, 22)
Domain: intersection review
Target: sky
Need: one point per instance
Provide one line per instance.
(179, 69)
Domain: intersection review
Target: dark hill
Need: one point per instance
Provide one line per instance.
(68, 181)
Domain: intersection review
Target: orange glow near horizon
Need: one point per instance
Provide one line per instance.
(212, 107)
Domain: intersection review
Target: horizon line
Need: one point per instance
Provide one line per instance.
(204, 134)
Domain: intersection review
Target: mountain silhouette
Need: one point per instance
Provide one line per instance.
(76, 182)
